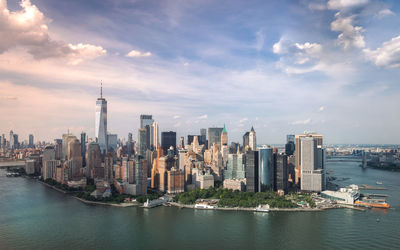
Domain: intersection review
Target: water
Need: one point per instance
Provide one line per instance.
(33, 216)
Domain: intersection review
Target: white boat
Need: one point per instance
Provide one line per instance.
(379, 183)
(203, 206)
(260, 208)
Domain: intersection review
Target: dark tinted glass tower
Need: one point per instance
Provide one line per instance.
(168, 139)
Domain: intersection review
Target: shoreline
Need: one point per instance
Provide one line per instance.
(178, 205)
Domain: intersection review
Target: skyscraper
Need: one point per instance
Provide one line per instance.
(224, 136)
(297, 152)
(168, 139)
(251, 167)
(266, 168)
(93, 158)
(203, 137)
(290, 145)
(214, 136)
(312, 160)
(281, 172)
(130, 144)
(245, 140)
(101, 122)
(154, 136)
(83, 148)
(252, 139)
(146, 120)
(31, 142)
(11, 139)
(142, 143)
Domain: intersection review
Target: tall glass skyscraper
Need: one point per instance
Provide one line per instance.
(101, 122)
(266, 168)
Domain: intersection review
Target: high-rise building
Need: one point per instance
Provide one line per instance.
(290, 144)
(281, 172)
(74, 158)
(235, 168)
(252, 139)
(176, 181)
(11, 139)
(251, 167)
(83, 148)
(168, 139)
(224, 137)
(100, 132)
(146, 120)
(203, 137)
(312, 159)
(129, 144)
(266, 168)
(297, 152)
(66, 138)
(142, 142)
(154, 136)
(214, 136)
(112, 142)
(31, 142)
(93, 158)
(182, 143)
(245, 140)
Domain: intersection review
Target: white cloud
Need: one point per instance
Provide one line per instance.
(28, 29)
(260, 39)
(297, 58)
(350, 36)
(317, 6)
(343, 4)
(136, 53)
(202, 117)
(302, 122)
(177, 116)
(388, 55)
(245, 119)
(322, 108)
(384, 13)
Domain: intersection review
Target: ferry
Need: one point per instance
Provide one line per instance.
(262, 208)
(372, 203)
(203, 206)
(379, 183)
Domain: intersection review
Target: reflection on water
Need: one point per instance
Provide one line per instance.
(33, 216)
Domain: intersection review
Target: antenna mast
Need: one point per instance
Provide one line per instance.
(101, 89)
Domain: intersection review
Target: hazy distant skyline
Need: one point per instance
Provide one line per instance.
(281, 66)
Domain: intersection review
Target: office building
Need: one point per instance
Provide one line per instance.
(312, 165)
(290, 145)
(297, 152)
(112, 142)
(31, 142)
(235, 168)
(281, 172)
(252, 139)
(142, 142)
(266, 168)
(176, 181)
(129, 145)
(224, 137)
(83, 148)
(168, 139)
(245, 140)
(101, 123)
(251, 168)
(203, 137)
(214, 136)
(154, 136)
(93, 158)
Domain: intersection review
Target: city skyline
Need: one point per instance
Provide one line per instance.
(324, 66)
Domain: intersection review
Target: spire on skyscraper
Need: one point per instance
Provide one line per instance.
(101, 89)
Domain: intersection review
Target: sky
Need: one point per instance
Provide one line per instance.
(284, 67)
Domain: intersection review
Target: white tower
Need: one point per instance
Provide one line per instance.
(252, 139)
(101, 122)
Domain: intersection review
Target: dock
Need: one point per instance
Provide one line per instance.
(369, 187)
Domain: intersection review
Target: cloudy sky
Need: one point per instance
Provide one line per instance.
(282, 66)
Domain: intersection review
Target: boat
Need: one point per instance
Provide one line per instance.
(372, 203)
(379, 183)
(203, 206)
(262, 208)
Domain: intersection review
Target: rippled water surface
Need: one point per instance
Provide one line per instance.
(33, 216)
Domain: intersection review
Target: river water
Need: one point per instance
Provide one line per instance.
(33, 216)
